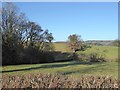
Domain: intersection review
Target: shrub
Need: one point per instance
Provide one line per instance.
(10, 55)
(32, 55)
(26, 56)
(96, 57)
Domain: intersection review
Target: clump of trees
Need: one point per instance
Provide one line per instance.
(23, 41)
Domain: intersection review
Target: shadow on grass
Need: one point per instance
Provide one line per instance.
(84, 70)
(51, 66)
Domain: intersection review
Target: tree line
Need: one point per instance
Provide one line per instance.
(23, 41)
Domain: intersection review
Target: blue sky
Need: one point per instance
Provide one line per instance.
(93, 21)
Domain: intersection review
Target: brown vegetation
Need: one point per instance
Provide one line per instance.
(57, 81)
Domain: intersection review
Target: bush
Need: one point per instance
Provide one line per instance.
(29, 55)
(96, 57)
(32, 55)
(10, 55)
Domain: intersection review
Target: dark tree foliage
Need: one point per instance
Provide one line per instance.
(23, 41)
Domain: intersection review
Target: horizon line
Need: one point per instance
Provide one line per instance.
(88, 40)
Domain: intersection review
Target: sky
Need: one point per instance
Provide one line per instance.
(91, 20)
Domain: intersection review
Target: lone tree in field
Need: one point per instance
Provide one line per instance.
(75, 42)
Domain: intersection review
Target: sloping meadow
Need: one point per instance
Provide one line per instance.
(57, 81)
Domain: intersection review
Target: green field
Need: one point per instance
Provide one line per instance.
(63, 47)
(68, 68)
(110, 52)
(73, 68)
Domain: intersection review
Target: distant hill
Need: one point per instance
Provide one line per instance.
(100, 42)
(95, 42)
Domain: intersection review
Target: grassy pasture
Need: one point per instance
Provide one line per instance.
(111, 52)
(63, 47)
(73, 68)
(68, 68)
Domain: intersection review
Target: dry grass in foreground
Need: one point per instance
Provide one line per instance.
(57, 81)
